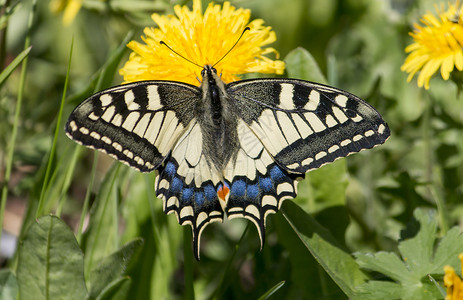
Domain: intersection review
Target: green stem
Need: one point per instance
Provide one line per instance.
(68, 179)
(188, 264)
(441, 209)
(55, 138)
(12, 143)
(433, 186)
(87, 195)
(3, 32)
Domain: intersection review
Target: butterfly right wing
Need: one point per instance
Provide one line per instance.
(137, 123)
(305, 125)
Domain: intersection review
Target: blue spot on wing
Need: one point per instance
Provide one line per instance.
(247, 192)
(210, 192)
(198, 199)
(266, 184)
(238, 188)
(176, 185)
(276, 173)
(170, 169)
(187, 194)
(253, 191)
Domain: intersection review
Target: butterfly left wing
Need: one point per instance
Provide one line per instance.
(305, 125)
(137, 123)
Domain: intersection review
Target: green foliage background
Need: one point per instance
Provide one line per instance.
(380, 224)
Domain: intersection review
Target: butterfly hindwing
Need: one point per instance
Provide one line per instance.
(257, 185)
(188, 185)
(305, 125)
(136, 123)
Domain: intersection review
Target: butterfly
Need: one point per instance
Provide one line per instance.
(236, 149)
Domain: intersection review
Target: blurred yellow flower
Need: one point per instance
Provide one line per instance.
(203, 39)
(437, 43)
(453, 283)
(70, 8)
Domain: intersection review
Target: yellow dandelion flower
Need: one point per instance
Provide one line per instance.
(453, 283)
(437, 44)
(203, 39)
(70, 8)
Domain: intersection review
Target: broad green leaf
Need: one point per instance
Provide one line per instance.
(386, 263)
(420, 257)
(447, 252)
(50, 264)
(300, 64)
(8, 285)
(319, 243)
(324, 187)
(417, 252)
(380, 290)
(113, 268)
(118, 289)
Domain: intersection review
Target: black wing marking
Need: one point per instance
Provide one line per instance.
(136, 123)
(305, 125)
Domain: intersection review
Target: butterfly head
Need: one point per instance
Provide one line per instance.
(209, 74)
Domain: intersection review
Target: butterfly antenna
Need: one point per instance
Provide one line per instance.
(245, 29)
(162, 43)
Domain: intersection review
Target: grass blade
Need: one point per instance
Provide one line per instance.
(270, 292)
(55, 138)
(15, 63)
(12, 143)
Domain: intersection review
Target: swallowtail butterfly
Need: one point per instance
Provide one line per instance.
(236, 149)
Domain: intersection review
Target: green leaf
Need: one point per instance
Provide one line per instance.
(50, 264)
(101, 238)
(270, 292)
(104, 77)
(301, 64)
(118, 289)
(319, 243)
(12, 66)
(8, 285)
(324, 187)
(110, 68)
(113, 268)
(420, 257)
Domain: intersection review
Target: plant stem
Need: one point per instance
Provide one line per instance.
(12, 143)
(55, 138)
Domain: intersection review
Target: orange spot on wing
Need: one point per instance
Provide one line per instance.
(223, 192)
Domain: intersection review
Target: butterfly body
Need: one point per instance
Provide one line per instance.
(217, 121)
(236, 149)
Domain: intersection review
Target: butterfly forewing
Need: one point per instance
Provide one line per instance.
(305, 125)
(136, 123)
